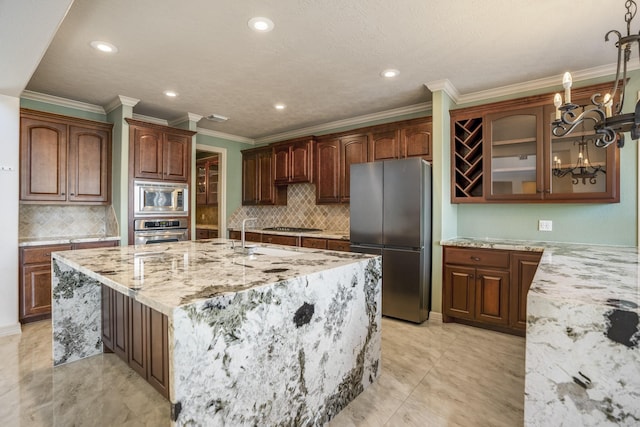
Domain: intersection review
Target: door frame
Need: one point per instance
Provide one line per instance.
(222, 190)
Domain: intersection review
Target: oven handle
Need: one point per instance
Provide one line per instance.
(163, 233)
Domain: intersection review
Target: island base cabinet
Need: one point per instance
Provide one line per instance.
(138, 335)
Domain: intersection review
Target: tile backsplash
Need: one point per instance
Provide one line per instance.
(301, 211)
(67, 221)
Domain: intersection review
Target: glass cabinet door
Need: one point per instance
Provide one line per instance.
(212, 184)
(201, 183)
(515, 153)
(575, 168)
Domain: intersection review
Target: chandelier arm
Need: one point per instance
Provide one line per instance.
(615, 85)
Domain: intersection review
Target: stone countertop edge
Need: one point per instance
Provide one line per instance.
(329, 234)
(207, 226)
(598, 275)
(42, 241)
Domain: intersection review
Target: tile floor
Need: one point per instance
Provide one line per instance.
(432, 375)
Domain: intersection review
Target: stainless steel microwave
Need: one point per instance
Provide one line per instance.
(160, 199)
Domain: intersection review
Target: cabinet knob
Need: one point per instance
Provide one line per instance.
(62, 193)
(475, 258)
(71, 194)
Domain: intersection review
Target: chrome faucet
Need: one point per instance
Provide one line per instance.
(244, 221)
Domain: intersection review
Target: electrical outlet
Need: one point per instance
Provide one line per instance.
(545, 225)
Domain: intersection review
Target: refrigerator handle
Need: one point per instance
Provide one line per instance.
(404, 248)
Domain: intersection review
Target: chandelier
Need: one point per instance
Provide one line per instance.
(583, 169)
(609, 123)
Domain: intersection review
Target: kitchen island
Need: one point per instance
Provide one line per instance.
(285, 336)
(583, 333)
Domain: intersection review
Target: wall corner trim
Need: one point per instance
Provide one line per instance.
(446, 86)
(120, 100)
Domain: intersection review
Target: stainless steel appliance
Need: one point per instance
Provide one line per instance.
(160, 199)
(391, 216)
(164, 230)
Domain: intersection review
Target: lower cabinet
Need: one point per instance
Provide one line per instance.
(35, 278)
(205, 233)
(305, 242)
(488, 287)
(138, 335)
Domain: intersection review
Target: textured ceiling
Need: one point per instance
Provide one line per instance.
(323, 59)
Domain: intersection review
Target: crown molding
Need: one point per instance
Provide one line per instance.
(121, 100)
(150, 119)
(354, 121)
(62, 102)
(189, 117)
(446, 86)
(227, 136)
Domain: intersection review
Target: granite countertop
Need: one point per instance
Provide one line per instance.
(324, 234)
(61, 240)
(590, 274)
(166, 276)
(207, 226)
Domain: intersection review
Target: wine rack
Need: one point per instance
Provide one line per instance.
(467, 160)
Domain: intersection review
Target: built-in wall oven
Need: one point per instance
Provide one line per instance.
(156, 199)
(157, 230)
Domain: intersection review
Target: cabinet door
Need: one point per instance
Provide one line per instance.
(416, 141)
(89, 177)
(120, 312)
(201, 183)
(266, 195)
(249, 178)
(147, 153)
(281, 163)
(212, 182)
(353, 149)
(338, 245)
(177, 157)
(43, 160)
(36, 291)
(157, 347)
(327, 167)
(278, 239)
(138, 337)
(301, 165)
(384, 146)
(492, 296)
(459, 292)
(314, 242)
(523, 269)
(514, 154)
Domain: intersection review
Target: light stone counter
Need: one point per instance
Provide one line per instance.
(324, 234)
(61, 240)
(286, 338)
(583, 333)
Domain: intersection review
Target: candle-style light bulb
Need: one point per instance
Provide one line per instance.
(608, 102)
(566, 84)
(557, 101)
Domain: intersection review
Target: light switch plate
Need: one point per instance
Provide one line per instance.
(545, 225)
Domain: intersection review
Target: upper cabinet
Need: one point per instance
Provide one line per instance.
(334, 157)
(64, 159)
(258, 187)
(159, 152)
(401, 140)
(207, 181)
(292, 161)
(506, 152)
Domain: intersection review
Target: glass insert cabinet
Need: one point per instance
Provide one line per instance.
(506, 152)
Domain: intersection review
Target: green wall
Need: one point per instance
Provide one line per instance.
(612, 224)
(58, 109)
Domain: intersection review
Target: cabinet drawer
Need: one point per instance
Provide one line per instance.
(313, 242)
(279, 240)
(41, 254)
(338, 245)
(100, 244)
(479, 257)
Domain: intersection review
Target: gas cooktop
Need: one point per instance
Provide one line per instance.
(293, 229)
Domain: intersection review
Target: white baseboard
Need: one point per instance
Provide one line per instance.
(435, 317)
(10, 330)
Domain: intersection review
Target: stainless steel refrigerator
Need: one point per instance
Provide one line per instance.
(391, 216)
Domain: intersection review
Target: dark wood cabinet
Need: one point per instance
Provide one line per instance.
(278, 239)
(205, 233)
(401, 141)
(207, 181)
(304, 241)
(35, 278)
(417, 141)
(313, 242)
(258, 186)
(487, 287)
(505, 152)
(334, 157)
(159, 152)
(138, 335)
(63, 159)
(293, 161)
(338, 245)
(384, 145)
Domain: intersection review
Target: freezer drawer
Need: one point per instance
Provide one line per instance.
(405, 285)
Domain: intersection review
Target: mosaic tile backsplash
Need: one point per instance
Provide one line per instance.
(301, 211)
(67, 221)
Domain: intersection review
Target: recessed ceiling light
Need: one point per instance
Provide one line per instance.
(170, 93)
(280, 106)
(103, 46)
(260, 24)
(390, 73)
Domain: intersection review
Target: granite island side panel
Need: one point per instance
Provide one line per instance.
(304, 329)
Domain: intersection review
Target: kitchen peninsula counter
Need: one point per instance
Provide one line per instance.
(62, 240)
(583, 333)
(286, 336)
